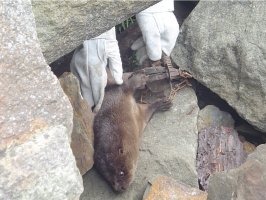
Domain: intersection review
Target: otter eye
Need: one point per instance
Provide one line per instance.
(121, 173)
(120, 150)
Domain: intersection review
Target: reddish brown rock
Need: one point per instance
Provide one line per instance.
(219, 149)
(165, 188)
(82, 134)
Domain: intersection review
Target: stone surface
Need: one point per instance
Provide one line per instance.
(248, 182)
(248, 147)
(223, 45)
(210, 115)
(36, 160)
(166, 188)
(63, 25)
(219, 149)
(168, 148)
(42, 167)
(82, 134)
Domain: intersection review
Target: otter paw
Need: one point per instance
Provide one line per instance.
(163, 105)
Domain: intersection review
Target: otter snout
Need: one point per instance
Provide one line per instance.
(118, 187)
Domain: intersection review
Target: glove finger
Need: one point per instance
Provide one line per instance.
(137, 44)
(141, 55)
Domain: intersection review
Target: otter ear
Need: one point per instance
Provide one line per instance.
(120, 151)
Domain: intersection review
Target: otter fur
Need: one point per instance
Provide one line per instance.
(118, 127)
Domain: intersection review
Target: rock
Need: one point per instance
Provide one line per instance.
(42, 167)
(219, 149)
(167, 188)
(210, 115)
(168, 148)
(170, 141)
(223, 45)
(248, 147)
(63, 25)
(36, 160)
(82, 134)
(247, 182)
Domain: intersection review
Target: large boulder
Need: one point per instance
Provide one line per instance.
(223, 45)
(82, 135)
(248, 182)
(36, 160)
(168, 148)
(63, 25)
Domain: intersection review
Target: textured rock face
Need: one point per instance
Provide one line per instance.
(247, 182)
(248, 147)
(82, 134)
(63, 25)
(212, 116)
(36, 160)
(164, 187)
(168, 148)
(42, 167)
(219, 149)
(223, 45)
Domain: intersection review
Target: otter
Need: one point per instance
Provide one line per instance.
(118, 127)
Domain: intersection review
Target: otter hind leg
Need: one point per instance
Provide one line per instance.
(161, 105)
(158, 106)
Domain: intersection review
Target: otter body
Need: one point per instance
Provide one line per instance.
(118, 127)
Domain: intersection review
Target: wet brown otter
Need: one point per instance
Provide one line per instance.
(118, 127)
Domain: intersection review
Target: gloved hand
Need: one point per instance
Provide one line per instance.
(89, 65)
(140, 48)
(159, 29)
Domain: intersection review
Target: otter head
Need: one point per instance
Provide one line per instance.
(118, 168)
(137, 80)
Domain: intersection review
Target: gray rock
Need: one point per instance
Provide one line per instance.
(223, 45)
(210, 115)
(247, 182)
(63, 25)
(168, 148)
(36, 161)
(82, 135)
(42, 168)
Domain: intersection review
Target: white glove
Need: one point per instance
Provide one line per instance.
(140, 48)
(89, 65)
(159, 29)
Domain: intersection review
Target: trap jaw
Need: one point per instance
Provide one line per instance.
(166, 71)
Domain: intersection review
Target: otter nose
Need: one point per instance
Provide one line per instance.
(119, 188)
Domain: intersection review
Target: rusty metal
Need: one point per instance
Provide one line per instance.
(167, 72)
